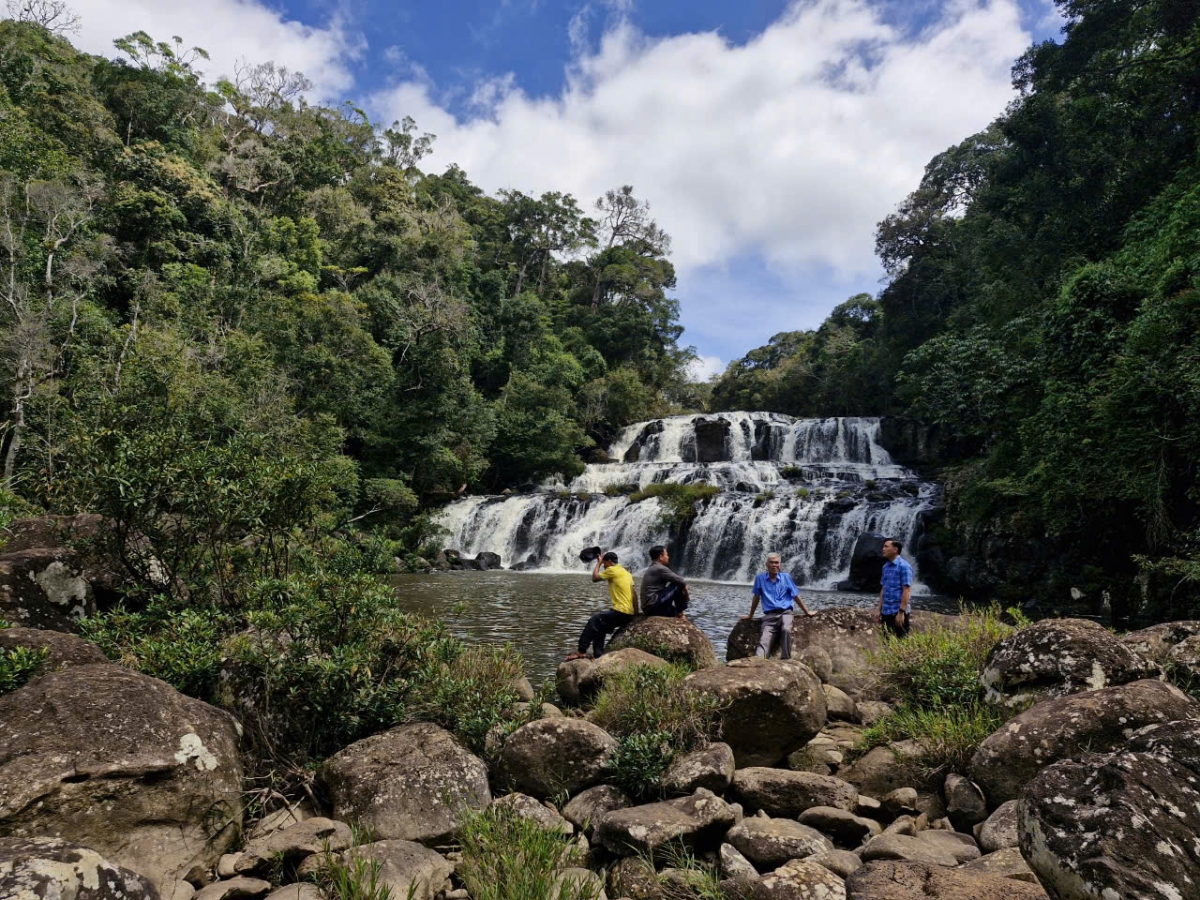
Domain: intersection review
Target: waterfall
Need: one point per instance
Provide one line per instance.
(804, 488)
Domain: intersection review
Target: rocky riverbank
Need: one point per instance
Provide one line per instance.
(659, 772)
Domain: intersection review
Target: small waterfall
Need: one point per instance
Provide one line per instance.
(804, 488)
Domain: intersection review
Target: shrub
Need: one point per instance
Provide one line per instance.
(18, 666)
(679, 501)
(802, 493)
(792, 473)
(950, 735)
(584, 497)
(620, 490)
(508, 857)
(870, 484)
(654, 719)
(764, 497)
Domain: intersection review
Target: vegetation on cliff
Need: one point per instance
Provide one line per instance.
(1041, 310)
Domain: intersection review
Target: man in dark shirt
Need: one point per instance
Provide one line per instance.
(663, 592)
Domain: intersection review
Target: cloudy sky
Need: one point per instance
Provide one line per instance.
(769, 136)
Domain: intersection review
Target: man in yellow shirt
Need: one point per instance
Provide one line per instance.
(624, 605)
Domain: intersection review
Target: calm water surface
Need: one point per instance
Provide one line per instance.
(542, 615)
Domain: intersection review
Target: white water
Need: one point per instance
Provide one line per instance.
(852, 485)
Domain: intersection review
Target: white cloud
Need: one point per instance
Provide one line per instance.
(231, 31)
(791, 146)
(703, 368)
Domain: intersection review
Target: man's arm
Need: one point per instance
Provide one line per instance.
(879, 611)
(753, 607)
(596, 569)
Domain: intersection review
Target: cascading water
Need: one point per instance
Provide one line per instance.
(804, 488)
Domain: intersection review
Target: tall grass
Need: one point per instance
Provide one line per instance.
(508, 857)
(654, 718)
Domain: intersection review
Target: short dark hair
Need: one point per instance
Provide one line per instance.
(610, 557)
(895, 543)
(656, 551)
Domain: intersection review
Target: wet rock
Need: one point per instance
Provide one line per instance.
(887, 880)
(239, 888)
(965, 805)
(1058, 729)
(999, 832)
(709, 767)
(799, 879)
(407, 784)
(292, 844)
(784, 793)
(1122, 824)
(769, 843)
(840, 862)
(527, 807)
(711, 441)
(1057, 657)
(1155, 643)
(1006, 863)
(613, 662)
(568, 680)
(412, 871)
(844, 828)
(938, 848)
(839, 705)
(553, 756)
(62, 650)
(585, 809)
(164, 768)
(695, 821)
(486, 561)
(675, 640)
(44, 868)
(770, 708)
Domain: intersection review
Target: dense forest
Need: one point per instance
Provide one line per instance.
(1042, 313)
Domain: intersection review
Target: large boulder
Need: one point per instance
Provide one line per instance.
(406, 784)
(593, 677)
(675, 640)
(845, 828)
(900, 880)
(1056, 657)
(769, 843)
(525, 807)
(292, 845)
(62, 650)
(121, 763)
(569, 678)
(696, 821)
(711, 443)
(866, 562)
(411, 870)
(1058, 729)
(51, 869)
(798, 879)
(965, 804)
(1118, 825)
(553, 756)
(1155, 643)
(888, 768)
(588, 807)
(780, 792)
(769, 708)
(709, 767)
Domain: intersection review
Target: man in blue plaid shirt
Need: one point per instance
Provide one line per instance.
(896, 590)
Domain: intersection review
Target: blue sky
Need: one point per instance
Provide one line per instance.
(768, 136)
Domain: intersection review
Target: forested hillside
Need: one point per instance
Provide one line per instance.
(228, 281)
(1043, 313)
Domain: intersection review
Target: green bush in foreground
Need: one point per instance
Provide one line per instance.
(950, 735)
(654, 719)
(508, 857)
(18, 666)
(679, 501)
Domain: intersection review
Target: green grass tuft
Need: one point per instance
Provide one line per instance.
(679, 500)
(19, 665)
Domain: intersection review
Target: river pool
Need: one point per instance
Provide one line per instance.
(541, 615)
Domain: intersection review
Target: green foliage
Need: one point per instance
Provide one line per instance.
(803, 493)
(764, 497)
(792, 473)
(620, 490)
(18, 665)
(509, 857)
(949, 735)
(654, 718)
(679, 501)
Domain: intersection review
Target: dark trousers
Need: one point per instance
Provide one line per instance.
(598, 627)
(670, 603)
(895, 627)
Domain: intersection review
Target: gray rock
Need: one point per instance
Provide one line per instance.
(695, 821)
(238, 888)
(799, 879)
(871, 711)
(903, 825)
(44, 582)
(869, 807)
(614, 662)
(965, 805)
(840, 862)
(784, 793)
(164, 768)
(574, 881)
(297, 892)
(769, 843)
(280, 818)
(545, 710)
(734, 864)
(227, 865)
(553, 756)
(1006, 863)
(1155, 643)
(882, 770)
(770, 708)
(709, 767)
(839, 705)
(635, 879)
(568, 678)
(412, 871)
(1122, 824)
(528, 808)
(939, 848)
(407, 784)
(524, 690)
(845, 828)
(45, 868)
(1057, 729)
(675, 640)
(292, 844)
(999, 831)
(1057, 657)
(901, 880)
(62, 650)
(585, 809)
(818, 660)
(1185, 656)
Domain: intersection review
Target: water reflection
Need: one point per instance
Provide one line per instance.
(542, 614)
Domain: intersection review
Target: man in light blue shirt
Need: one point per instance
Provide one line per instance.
(777, 592)
(895, 591)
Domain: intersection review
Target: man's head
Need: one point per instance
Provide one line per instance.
(609, 559)
(773, 563)
(659, 554)
(891, 549)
